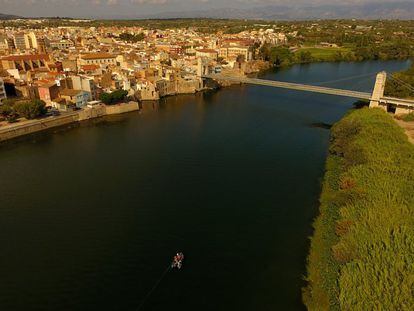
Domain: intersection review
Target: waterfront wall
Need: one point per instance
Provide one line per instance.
(123, 108)
(91, 113)
(33, 126)
(36, 126)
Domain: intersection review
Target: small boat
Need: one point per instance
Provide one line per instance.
(177, 261)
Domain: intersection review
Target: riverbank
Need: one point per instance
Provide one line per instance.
(361, 250)
(33, 126)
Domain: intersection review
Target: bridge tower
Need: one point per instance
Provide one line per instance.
(379, 88)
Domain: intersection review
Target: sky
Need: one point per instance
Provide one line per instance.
(136, 8)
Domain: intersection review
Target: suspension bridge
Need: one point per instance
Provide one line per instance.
(376, 98)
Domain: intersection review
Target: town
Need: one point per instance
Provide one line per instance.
(71, 68)
(53, 67)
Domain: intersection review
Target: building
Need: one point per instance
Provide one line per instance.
(21, 41)
(25, 62)
(147, 91)
(98, 59)
(41, 45)
(48, 92)
(61, 44)
(165, 87)
(69, 65)
(85, 84)
(4, 45)
(209, 53)
(2, 90)
(31, 38)
(230, 53)
(77, 97)
(62, 105)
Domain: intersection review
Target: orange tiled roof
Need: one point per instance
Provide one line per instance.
(89, 67)
(206, 50)
(26, 57)
(97, 56)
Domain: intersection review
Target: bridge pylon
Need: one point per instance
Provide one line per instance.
(379, 89)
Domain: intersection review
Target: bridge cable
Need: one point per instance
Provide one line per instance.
(345, 79)
(153, 288)
(403, 83)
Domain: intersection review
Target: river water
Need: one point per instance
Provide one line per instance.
(90, 217)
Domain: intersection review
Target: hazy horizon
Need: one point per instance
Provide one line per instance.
(137, 8)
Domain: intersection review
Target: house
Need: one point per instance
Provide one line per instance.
(48, 92)
(62, 105)
(147, 91)
(78, 97)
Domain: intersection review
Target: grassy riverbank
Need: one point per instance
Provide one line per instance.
(362, 250)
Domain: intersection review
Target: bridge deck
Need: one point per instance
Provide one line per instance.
(293, 86)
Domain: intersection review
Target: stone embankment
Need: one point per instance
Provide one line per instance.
(29, 127)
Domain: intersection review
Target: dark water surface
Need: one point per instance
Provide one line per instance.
(90, 217)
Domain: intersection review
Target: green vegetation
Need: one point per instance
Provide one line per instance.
(277, 55)
(325, 54)
(402, 85)
(282, 56)
(409, 117)
(29, 109)
(114, 97)
(128, 37)
(362, 250)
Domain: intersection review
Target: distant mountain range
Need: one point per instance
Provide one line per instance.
(394, 10)
(7, 16)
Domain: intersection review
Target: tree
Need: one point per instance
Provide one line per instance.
(114, 97)
(30, 109)
(305, 57)
(128, 37)
(280, 56)
(106, 98)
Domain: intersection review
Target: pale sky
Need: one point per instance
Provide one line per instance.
(109, 8)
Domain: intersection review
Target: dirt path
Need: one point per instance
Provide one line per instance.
(409, 129)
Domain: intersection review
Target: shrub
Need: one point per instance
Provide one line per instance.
(408, 117)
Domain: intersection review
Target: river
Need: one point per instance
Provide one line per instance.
(90, 217)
